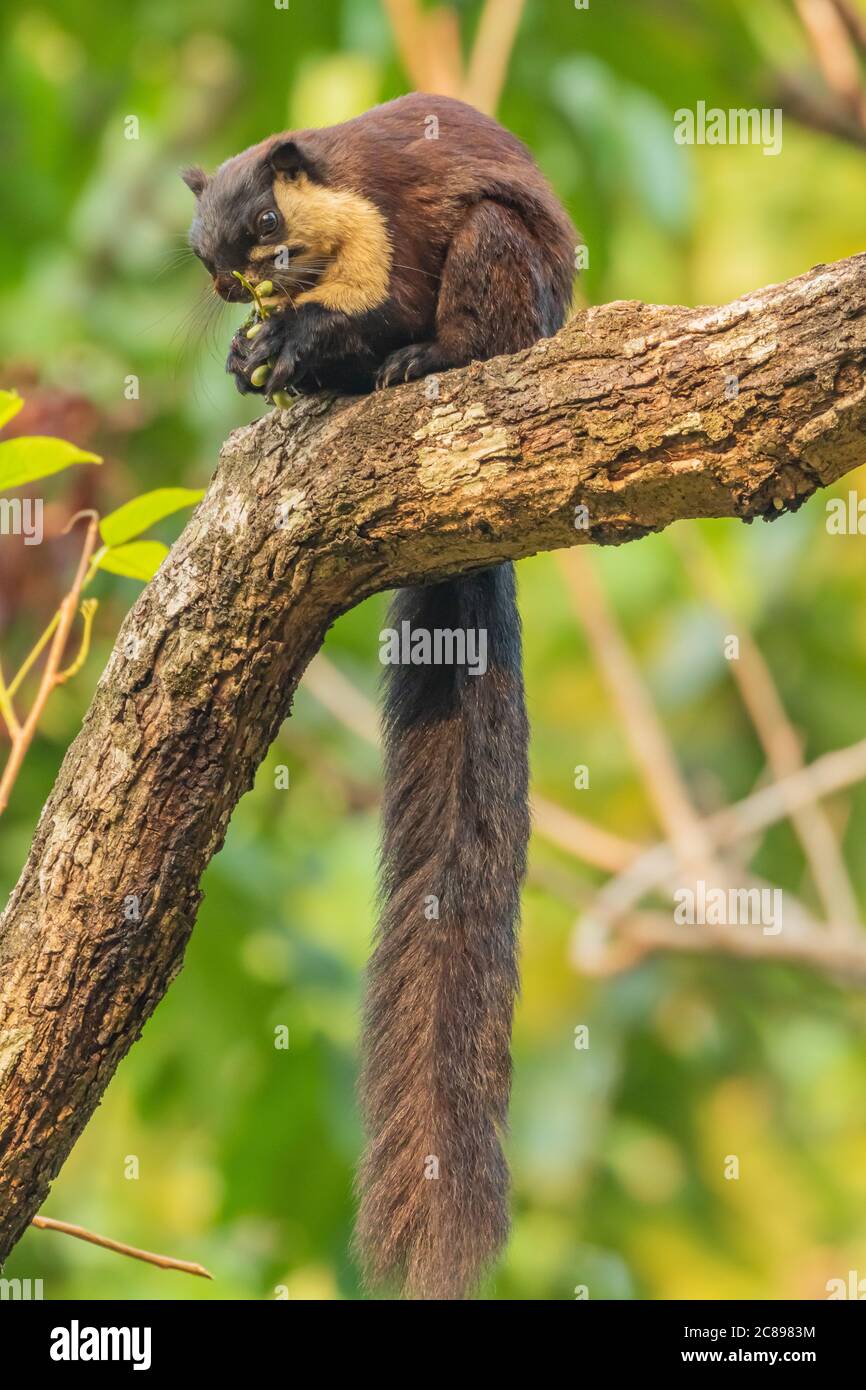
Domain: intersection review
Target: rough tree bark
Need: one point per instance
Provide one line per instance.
(630, 412)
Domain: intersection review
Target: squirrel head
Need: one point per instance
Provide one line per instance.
(245, 222)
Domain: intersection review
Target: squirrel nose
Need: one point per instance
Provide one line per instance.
(228, 288)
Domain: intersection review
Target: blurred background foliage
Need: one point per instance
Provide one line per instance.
(246, 1152)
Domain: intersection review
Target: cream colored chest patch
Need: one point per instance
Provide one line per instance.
(348, 232)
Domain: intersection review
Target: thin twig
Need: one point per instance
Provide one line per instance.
(66, 616)
(88, 613)
(341, 698)
(428, 42)
(817, 109)
(854, 21)
(409, 28)
(832, 44)
(777, 735)
(491, 53)
(650, 747)
(652, 869)
(643, 933)
(688, 833)
(582, 838)
(33, 655)
(444, 54)
(46, 1223)
(7, 709)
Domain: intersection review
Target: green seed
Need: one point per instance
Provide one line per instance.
(282, 400)
(261, 374)
(265, 288)
(256, 328)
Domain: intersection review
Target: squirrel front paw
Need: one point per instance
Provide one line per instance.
(253, 349)
(236, 362)
(284, 350)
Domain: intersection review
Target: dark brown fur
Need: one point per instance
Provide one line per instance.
(428, 192)
(482, 263)
(437, 1069)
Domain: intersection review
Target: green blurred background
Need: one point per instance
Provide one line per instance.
(246, 1153)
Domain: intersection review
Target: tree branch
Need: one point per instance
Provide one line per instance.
(629, 412)
(47, 1223)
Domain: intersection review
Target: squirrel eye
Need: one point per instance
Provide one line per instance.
(267, 222)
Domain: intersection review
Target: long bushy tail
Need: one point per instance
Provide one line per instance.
(442, 980)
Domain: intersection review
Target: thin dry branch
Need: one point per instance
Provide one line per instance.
(645, 933)
(777, 735)
(623, 415)
(816, 108)
(650, 746)
(854, 21)
(21, 735)
(654, 868)
(47, 1223)
(336, 693)
(428, 42)
(690, 838)
(831, 40)
(491, 52)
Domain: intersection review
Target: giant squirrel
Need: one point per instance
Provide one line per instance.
(417, 237)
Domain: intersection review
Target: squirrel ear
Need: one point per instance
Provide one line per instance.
(195, 179)
(287, 157)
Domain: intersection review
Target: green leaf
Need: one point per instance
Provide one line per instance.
(36, 456)
(144, 511)
(10, 404)
(140, 560)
